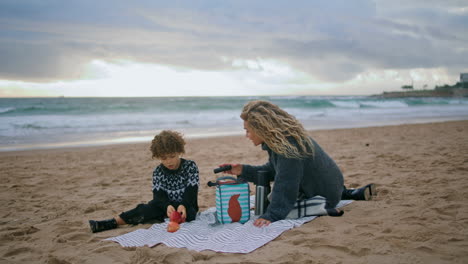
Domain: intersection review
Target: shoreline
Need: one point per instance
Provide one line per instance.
(37, 124)
(196, 133)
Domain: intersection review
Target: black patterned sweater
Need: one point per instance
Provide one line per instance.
(177, 187)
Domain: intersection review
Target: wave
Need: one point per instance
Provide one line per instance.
(346, 104)
(29, 126)
(53, 119)
(36, 110)
(435, 101)
(384, 104)
(98, 106)
(6, 110)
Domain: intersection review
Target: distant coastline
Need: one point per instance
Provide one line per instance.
(457, 90)
(424, 93)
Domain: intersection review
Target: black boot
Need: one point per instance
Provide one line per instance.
(98, 226)
(372, 189)
(334, 212)
(364, 193)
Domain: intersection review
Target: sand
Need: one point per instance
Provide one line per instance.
(420, 214)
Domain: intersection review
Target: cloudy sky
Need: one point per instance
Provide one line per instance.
(213, 47)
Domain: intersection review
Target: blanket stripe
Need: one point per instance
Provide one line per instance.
(200, 235)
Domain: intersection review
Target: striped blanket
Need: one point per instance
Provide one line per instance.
(204, 234)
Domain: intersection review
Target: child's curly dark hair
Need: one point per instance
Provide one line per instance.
(167, 142)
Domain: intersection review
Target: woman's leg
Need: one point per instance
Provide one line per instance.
(308, 207)
(315, 206)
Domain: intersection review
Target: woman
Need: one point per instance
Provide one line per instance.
(307, 180)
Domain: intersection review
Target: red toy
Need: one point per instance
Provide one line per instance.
(172, 227)
(174, 222)
(177, 217)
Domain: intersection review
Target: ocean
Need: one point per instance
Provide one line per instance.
(36, 123)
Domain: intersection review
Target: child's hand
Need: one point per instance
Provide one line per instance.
(169, 210)
(236, 169)
(182, 211)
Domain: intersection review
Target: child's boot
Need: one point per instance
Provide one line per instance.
(372, 189)
(98, 226)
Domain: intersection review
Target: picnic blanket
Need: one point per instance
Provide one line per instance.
(204, 233)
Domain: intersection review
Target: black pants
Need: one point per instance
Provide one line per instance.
(152, 211)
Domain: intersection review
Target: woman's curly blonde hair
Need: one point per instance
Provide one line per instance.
(167, 142)
(275, 126)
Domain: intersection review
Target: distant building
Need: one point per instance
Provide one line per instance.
(464, 80)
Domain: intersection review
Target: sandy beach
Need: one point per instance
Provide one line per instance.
(420, 214)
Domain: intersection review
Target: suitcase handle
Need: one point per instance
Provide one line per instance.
(218, 181)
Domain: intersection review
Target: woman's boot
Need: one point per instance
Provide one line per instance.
(364, 193)
(98, 226)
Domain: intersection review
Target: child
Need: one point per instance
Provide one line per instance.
(175, 186)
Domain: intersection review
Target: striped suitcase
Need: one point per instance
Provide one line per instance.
(232, 200)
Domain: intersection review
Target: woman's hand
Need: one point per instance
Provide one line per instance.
(182, 211)
(169, 210)
(236, 169)
(260, 222)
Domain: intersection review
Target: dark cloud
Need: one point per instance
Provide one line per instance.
(40, 62)
(330, 40)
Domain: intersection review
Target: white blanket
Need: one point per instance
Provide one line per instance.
(202, 234)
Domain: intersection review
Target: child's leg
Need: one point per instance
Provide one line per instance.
(143, 213)
(140, 214)
(120, 221)
(191, 214)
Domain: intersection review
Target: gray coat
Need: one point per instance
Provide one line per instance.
(298, 179)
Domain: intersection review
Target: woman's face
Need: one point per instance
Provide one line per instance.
(256, 140)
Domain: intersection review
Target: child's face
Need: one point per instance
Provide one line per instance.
(171, 161)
